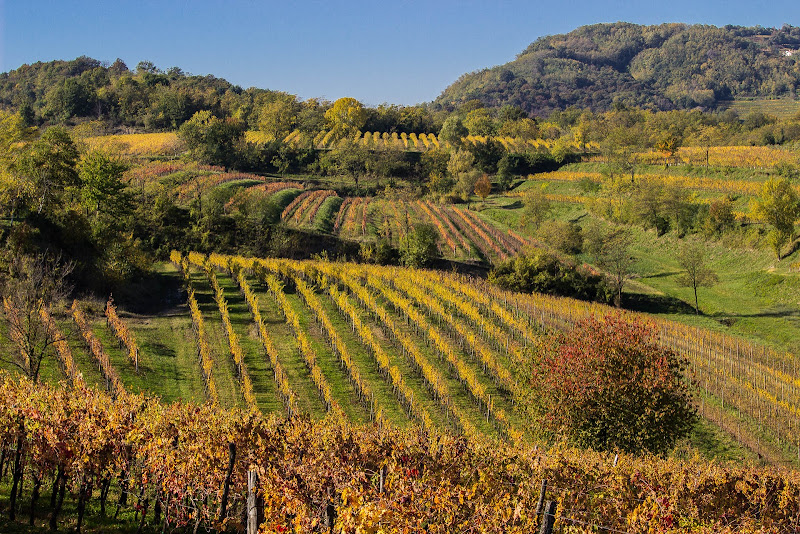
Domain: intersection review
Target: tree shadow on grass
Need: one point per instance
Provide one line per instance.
(655, 304)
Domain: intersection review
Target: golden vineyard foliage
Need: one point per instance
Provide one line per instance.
(233, 338)
(138, 145)
(198, 325)
(113, 382)
(746, 187)
(374, 479)
(123, 333)
(495, 327)
(63, 351)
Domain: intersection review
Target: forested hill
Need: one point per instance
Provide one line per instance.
(661, 67)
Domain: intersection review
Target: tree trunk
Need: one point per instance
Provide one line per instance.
(37, 483)
(60, 501)
(17, 475)
(696, 306)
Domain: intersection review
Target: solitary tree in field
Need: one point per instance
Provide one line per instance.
(483, 187)
(697, 272)
(609, 385)
(611, 252)
(537, 208)
(779, 207)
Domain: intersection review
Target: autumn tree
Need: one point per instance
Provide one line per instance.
(346, 117)
(483, 187)
(609, 385)
(278, 117)
(697, 273)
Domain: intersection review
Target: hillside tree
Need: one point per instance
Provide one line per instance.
(779, 207)
(697, 273)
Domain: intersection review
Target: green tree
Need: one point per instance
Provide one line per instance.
(453, 131)
(542, 271)
(214, 141)
(349, 159)
(779, 207)
(537, 208)
(418, 246)
(619, 149)
(102, 187)
(15, 188)
(50, 166)
(278, 117)
(611, 252)
(697, 273)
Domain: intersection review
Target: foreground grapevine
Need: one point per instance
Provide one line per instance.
(171, 462)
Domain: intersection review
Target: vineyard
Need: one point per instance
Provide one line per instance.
(398, 347)
(461, 232)
(201, 467)
(413, 376)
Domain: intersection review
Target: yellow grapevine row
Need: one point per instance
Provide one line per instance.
(123, 333)
(303, 343)
(233, 339)
(198, 325)
(468, 309)
(344, 305)
(329, 283)
(62, 348)
(746, 187)
(428, 371)
(465, 374)
(285, 390)
(432, 295)
(113, 383)
(365, 391)
(485, 355)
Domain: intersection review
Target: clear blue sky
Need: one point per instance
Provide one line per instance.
(396, 51)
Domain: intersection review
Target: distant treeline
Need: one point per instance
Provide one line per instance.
(667, 66)
(151, 99)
